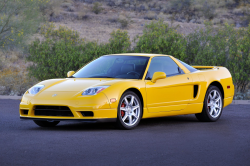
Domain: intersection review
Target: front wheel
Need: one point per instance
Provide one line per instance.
(129, 111)
(42, 123)
(213, 105)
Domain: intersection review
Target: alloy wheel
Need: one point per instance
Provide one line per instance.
(130, 110)
(214, 103)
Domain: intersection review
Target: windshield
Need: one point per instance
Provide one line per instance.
(114, 66)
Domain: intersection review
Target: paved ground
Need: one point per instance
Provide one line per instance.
(180, 140)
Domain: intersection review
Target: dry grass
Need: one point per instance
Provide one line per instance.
(99, 28)
(14, 79)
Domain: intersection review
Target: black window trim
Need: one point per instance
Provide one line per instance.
(180, 70)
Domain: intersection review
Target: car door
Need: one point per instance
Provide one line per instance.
(172, 93)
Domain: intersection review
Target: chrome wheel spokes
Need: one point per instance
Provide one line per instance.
(130, 110)
(214, 103)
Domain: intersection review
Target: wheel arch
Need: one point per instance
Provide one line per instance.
(218, 85)
(136, 91)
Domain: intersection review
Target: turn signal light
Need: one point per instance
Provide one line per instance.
(113, 100)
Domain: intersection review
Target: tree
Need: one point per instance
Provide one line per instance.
(18, 20)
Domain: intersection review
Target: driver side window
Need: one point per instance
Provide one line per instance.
(163, 64)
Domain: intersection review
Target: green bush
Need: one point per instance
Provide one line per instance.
(119, 42)
(97, 8)
(63, 50)
(223, 46)
(159, 38)
(240, 60)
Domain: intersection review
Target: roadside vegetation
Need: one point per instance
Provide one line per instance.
(220, 46)
(35, 46)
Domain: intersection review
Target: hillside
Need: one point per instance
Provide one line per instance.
(94, 20)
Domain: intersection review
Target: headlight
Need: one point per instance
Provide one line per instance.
(94, 90)
(35, 89)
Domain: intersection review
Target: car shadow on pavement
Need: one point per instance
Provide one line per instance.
(144, 123)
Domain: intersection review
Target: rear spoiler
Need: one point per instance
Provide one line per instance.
(206, 67)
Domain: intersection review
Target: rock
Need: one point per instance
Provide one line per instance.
(132, 7)
(150, 16)
(155, 9)
(111, 3)
(244, 23)
(66, 5)
(89, 1)
(237, 25)
(71, 8)
(163, 10)
(56, 18)
(142, 8)
(192, 21)
(118, 3)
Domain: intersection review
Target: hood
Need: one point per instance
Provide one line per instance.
(76, 84)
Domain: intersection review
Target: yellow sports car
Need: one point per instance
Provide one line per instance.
(125, 88)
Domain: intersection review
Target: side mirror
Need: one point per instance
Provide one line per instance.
(70, 73)
(158, 75)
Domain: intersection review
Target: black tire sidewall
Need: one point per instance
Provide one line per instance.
(43, 123)
(205, 108)
(119, 118)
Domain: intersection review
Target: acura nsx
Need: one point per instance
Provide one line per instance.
(125, 88)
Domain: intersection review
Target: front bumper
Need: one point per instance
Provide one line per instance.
(98, 104)
(73, 120)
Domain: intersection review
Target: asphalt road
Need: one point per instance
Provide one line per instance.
(180, 140)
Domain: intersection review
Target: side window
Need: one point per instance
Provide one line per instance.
(163, 64)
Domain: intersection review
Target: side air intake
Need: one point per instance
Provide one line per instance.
(195, 90)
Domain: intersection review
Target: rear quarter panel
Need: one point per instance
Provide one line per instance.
(204, 78)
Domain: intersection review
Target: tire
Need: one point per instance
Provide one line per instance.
(213, 105)
(42, 123)
(129, 114)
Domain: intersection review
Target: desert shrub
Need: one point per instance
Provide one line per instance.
(62, 50)
(159, 38)
(151, 16)
(1, 65)
(240, 60)
(183, 8)
(49, 31)
(209, 10)
(97, 8)
(223, 46)
(119, 42)
(18, 21)
(15, 81)
(113, 19)
(82, 15)
(124, 20)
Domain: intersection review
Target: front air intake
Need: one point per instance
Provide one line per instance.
(53, 111)
(87, 113)
(25, 112)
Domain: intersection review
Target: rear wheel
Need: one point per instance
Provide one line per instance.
(42, 123)
(129, 111)
(213, 105)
